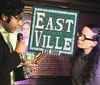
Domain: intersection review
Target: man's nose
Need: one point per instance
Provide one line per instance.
(20, 22)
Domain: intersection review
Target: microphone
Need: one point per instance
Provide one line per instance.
(19, 36)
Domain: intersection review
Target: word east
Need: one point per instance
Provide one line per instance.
(40, 23)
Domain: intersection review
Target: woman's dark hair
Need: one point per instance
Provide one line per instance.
(93, 56)
(11, 8)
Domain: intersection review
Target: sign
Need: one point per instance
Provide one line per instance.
(53, 30)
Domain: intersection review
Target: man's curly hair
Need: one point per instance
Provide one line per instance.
(11, 8)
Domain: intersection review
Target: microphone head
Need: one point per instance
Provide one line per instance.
(19, 36)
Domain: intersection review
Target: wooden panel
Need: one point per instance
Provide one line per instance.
(71, 4)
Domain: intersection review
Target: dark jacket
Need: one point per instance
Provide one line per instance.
(77, 71)
(8, 62)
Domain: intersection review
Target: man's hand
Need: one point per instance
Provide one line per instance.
(20, 47)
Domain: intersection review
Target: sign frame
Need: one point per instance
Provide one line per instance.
(57, 10)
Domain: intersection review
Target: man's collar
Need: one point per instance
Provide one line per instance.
(2, 30)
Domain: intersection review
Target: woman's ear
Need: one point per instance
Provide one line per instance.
(95, 43)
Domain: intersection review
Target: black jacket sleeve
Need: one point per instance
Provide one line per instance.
(9, 63)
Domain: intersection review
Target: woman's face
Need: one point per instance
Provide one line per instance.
(85, 40)
(26, 30)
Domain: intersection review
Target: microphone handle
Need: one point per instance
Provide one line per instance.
(23, 60)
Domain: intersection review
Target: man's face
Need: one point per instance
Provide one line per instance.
(15, 22)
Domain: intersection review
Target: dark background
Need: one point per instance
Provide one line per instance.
(55, 70)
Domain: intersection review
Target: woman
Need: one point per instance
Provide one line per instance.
(86, 62)
(25, 28)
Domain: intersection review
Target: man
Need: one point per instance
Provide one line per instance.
(10, 19)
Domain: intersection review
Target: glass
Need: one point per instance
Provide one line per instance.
(79, 34)
(18, 17)
(28, 69)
